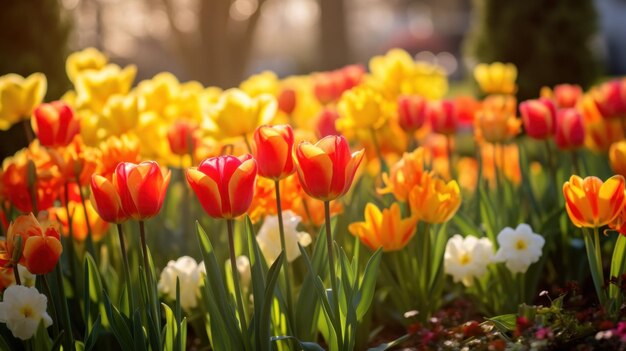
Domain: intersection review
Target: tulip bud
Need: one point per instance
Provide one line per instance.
(411, 112)
(55, 124)
(182, 137)
(41, 253)
(141, 188)
(570, 130)
(287, 101)
(273, 145)
(442, 116)
(539, 117)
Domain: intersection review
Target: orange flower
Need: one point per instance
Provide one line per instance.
(40, 250)
(327, 168)
(404, 175)
(79, 225)
(115, 150)
(570, 131)
(272, 150)
(76, 162)
(467, 169)
(610, 99)
(617, 156)
(264, 200)
(224, 185)
(386, 229)
(600, 133)
(106, 201)
(506, 159)
(496, 121)
(592, 203)
(567, 95)
(434, 201)
(141, 188)
(55, 124)
(287, 99)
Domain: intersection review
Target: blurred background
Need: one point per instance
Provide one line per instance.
(220, 42)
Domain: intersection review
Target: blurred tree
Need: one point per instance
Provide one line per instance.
(334, 43)
(548, 40)
(33, 38)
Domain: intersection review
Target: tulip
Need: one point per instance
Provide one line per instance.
(182, 137)
(496, 121)
(141, 188)
(19, 96)
(361, 108)
(55, 124)
(237, 114)
(570, 130)
(120, 114)
(610, 99)
(442, 117)
(404, 175)
(115, 150)
(80, 224)
(592, 203)
(617, 157)
(411, 112)
(76, 161)
(224, 184)
(539, 117)
(95, 87)
(433, 200)
(326, 168)
(567, 95)
(326, 121)
(386, 229)
(273, 145)
(80, 61)
(106, 200)
(496, 78)
(287, 101)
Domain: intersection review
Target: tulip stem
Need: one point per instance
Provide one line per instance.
(27, 131)
(233, 266)
(333, 276)
(53, 309)
(379, 153)
(575, 163)
(16, 273)
(450, 154)
(148, 271)
(129, 289)
(595, 262)
(70, 232)
(283, 245)
(551, 164)
(245, 139)
(90, 247)
(67, 322)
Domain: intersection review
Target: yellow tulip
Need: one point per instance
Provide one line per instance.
(237, 114)
(265, 82)
(120, 114)
(19, 96)
(87, 59)
(496, 78)
(186, 104)
(158, 92)
(361, 108)
(591, 203)
(434, 201)
(94, 88)
(386, 229)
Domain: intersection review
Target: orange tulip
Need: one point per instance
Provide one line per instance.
(79, 225)
(592, 203)
(386, 229)
(55, 124)
(287, 100)
(76, 161)
(115, 150)
(106, 200)
(434, 201)
(404, 175)
(141, 188)
(182, 137)
(610, 99)
(495, 122)
(617, 157)
(272, 150)
(224, 184)
(326, 168)
(539, 117)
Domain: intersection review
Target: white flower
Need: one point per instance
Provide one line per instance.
(27, 278)
(269, 237)
(519, 247)
(466, 258)
(243, 269)
(22, 309)
(188, 273)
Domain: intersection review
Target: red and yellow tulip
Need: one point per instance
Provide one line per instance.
(141, 188)
(273, 151)
(593, 203)
(106, 201)
(386, 229)
(55, 124)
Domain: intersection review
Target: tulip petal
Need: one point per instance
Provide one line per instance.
(206, 190)
(241, 187)
(315, 171)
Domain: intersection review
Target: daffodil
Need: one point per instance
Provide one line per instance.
(519, 248)
(467, 258)
(23, 309)
(269, 237)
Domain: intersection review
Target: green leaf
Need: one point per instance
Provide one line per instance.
(487, 214)
(305, 346)
(465, 226)
(93, 293)
(617, 265)
(266, 307)
(368, 284)
(391, 344)
(94, 333)
(139, 337)
(120, 325)
(504, 323)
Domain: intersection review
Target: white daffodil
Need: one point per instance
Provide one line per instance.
(22, 309)
(188, 273)
(243, 269)
(466, 258)
(27, 278)
(269, 237)
(519, 247)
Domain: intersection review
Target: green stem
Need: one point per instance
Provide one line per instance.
(67, 322)
(426, 261)
(283, 245)
(551, 164)
(90, 247)
(235, 271)
(70, 233)
(129, 289)
(522, 287)
(53, 309)
(16, 274)
(575, 163)
(379, 153)
(333, 276)
(27, 131)
(155, 305)
(595, 263)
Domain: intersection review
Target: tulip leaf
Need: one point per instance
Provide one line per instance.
(120, 325)
(617, 265)
(439, 247)
(465, 226)
(368, 284)
(217, 331)
(94, 333)
(93, 292)
(264, 317)
(504, 323)
(139, 338)
(487, 213)
(303, 345)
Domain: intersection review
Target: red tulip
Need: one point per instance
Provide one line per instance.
(273, 145)
(610, 98)
(327, 168)
(141, 188)
(182, 137)
(326, 122)
(567, 95)
(539, 117)
(411, 112)
(55, 124)
(42, 252)
(442, 116)
(287, 101)
(224, 184)
(570, 130)
(106, 200)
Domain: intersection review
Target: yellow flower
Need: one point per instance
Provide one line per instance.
(156, 93)
(361, 108)
(392, 70)
(496, 122)
(404, 175)
(94, 88)
(120, 114)
(265, 82)
(19, 96)
(80, 61)
(186, 103)
(617, 156)
(386, 229)
(496, 78)
(434, 201)
(237, 114)
(592, 203)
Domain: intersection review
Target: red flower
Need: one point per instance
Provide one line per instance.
(182, 137)
(224, 184)
(272, 151)
(539, 117)
(141, 187)
(55, 124)
(411, 112)
(442, 116)
(570, 130)
(287, 101)
(106, 200)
